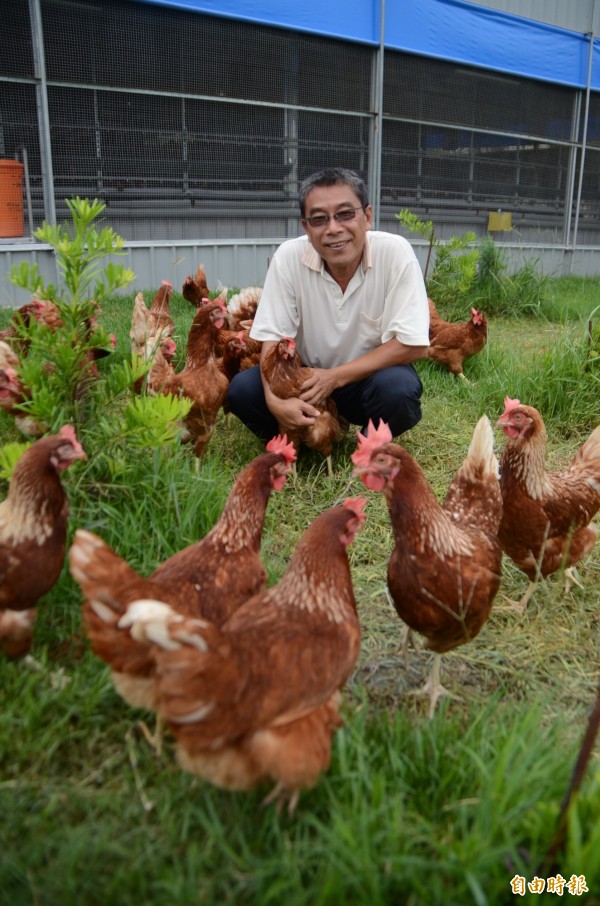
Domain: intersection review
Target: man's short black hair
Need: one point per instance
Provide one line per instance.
(333, 176)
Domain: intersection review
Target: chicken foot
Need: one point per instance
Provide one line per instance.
(570, 577)
(280, 794)
(154, 739)
(520, 606)
(433, 687)
(406, 638)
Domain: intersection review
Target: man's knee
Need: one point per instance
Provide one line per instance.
(399, 390)
(244, 392)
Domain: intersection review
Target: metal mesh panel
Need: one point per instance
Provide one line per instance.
(332, 141)
(140, 152)
(191, 125)
(589, 208)
(18, 123)
(18, 134)
(441, 92)
(429, 165)
(16, 55)
(132, 45)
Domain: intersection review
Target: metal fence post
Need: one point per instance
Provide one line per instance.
(41, 92)
(584, 137)
(377, 123)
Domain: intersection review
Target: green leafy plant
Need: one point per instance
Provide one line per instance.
(79, 248)
(499, 293)
(454, 262)
(67, 372)
(10, 454)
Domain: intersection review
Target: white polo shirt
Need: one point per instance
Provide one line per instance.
(385, 298)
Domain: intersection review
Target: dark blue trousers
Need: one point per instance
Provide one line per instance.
(392, 394)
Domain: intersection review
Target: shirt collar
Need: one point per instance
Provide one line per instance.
(313, 260)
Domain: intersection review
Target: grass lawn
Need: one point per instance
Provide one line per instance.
(412, 811)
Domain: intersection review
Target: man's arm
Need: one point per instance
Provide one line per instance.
(325, 380)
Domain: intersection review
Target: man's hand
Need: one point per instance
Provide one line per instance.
(318, 386)
(293, 413)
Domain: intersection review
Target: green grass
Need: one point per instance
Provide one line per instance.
(411, 811)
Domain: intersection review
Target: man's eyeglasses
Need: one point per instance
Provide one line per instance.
(318, 221)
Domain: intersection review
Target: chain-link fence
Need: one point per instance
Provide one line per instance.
(196, 126)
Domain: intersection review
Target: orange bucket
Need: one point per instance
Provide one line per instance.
(11, 198)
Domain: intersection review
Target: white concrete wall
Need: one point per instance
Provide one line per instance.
(244, 263)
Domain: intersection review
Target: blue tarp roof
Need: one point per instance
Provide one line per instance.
(443, 29)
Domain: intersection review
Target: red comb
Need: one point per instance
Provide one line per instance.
(280, 445)
(166, 283)
(68, 431)
(356, 505)
(509, 404)
(374, 439)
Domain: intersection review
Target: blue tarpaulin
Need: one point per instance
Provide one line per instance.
(347, 19)
(470, 34)
(442, 29)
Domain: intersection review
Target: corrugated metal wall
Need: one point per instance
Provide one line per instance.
(581, 16)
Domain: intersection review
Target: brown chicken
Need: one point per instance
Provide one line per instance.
(93, 354)
(13, 394)
(547, 515)
(47, 313)
(33, 533)
(234, 349)
(8, 357)
(258, 700)
(251, 352)
(160, 312)
(42, 310)
(11, 391)
(242, 306)
(201, 381)
(161, 371)
(194, 288)
(210, 578)
(445, 568)
(152, 331)
(253, 348)
(436, 322)
(239, 313)
(283, 369)
(451, 344)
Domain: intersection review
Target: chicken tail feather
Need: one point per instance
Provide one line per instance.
(587, 457)
(481, 449)
(95, 567)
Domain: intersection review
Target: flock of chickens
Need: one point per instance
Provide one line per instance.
(249, 678)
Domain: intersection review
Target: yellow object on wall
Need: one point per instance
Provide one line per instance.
(499, 221)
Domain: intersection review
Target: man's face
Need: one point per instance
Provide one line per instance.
(339, 243)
